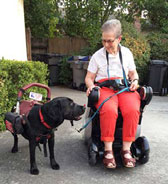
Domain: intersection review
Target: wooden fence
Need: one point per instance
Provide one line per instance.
(39, 45)
(64, 45)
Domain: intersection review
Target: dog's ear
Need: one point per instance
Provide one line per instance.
(53, 110)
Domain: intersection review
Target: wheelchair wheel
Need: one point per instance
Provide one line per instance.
(163, 92)
(144, 158)
(140, 149)
(92, 155)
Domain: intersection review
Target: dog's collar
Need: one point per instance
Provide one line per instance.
(42, 120)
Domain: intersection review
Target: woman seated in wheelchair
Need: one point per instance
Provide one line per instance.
(114, 61)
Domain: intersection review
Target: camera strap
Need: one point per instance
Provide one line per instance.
(121, 61)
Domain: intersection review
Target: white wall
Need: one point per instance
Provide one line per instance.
(12, 30)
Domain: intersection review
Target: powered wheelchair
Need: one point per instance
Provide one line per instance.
(140, 147)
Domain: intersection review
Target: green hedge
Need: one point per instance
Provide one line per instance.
(3, 102)
(17, 74)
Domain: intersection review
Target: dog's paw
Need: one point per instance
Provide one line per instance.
(55, 167)
(34, 171)
(14, 150)
(54, 164)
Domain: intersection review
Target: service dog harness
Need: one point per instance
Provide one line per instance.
(42, 120)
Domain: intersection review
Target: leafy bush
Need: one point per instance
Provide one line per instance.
(157, 14)
(159, 45)
(65, 75)
(15, 75)
(41, 17)
(140, 48)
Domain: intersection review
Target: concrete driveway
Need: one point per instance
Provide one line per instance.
(71, 153)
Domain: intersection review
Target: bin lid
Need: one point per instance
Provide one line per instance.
(159, 62)
(79, 58)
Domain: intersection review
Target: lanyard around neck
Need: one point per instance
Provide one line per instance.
(120, 56)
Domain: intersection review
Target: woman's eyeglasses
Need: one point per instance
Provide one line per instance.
(108, 41)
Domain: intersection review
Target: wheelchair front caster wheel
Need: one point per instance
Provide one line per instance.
(92, 158)
(141, 149)
(144, 158)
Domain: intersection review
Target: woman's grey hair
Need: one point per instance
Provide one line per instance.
(112, 25)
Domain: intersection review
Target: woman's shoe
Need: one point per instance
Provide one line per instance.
(109, 160)
(127, 158)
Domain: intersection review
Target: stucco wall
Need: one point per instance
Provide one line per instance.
(12, 30)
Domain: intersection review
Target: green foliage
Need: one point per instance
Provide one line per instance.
(42, 17)
(130, 9)
(53, 27)
(84, 19)
(65, 75)
(15, 75)
(3, 99)
(159, 45)
(154, 11)
(140, 48)
(157, 14)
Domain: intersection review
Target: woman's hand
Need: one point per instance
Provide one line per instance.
(89, 90)
(134, 85)
(133, 75)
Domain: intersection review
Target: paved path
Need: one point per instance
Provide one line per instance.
(71, 153)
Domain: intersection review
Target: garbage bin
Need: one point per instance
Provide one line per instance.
(53, 61)
(79, 68)
(158, 76)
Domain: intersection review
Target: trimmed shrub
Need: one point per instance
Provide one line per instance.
(15, 75)
(3, 102)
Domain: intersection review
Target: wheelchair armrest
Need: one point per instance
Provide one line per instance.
(93, 97)
(146, 94)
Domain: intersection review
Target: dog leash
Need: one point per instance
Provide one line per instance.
(87, 123)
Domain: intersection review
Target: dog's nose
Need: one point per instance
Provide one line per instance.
(84, 107)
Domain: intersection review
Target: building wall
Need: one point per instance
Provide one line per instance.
(12, 30)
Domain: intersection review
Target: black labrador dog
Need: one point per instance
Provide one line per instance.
(40, 124)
